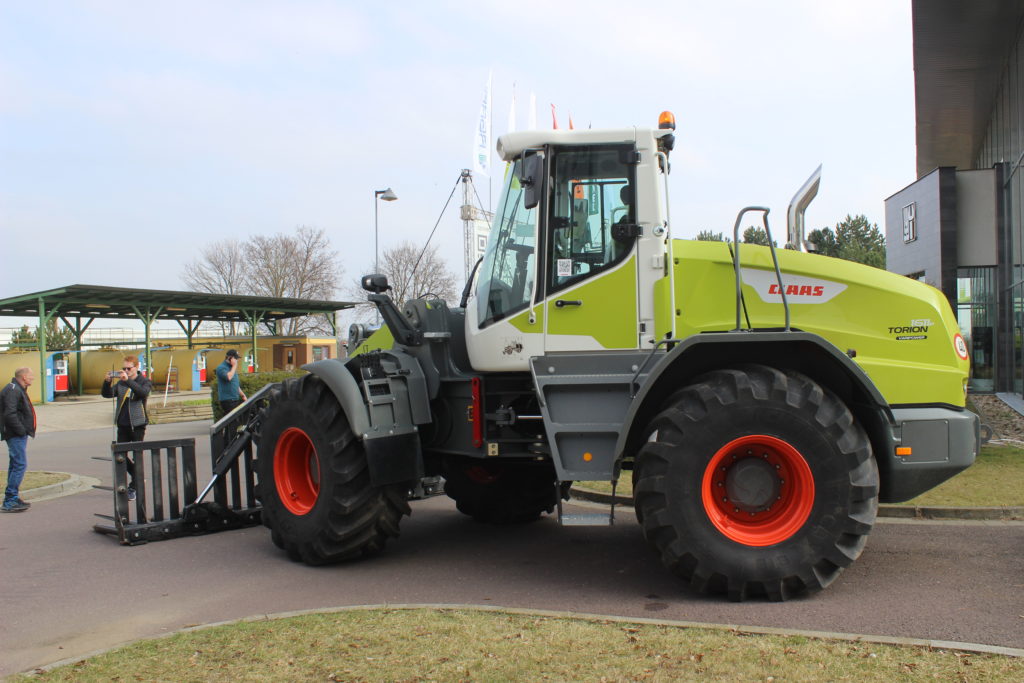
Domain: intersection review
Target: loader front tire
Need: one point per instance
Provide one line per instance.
(756, 482)
(501, 493)
(313, 480)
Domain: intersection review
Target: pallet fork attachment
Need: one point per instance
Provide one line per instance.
(170, 477)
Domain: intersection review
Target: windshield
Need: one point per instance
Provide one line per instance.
(506, 276)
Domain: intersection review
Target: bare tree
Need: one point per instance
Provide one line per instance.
(219, 270)
(300, 265)
(407, 279)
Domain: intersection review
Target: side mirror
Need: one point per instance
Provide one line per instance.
(531, 179)
(376, 283)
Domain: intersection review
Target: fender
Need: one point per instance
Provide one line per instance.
(803, 351)
(384, 419)
(341, 382)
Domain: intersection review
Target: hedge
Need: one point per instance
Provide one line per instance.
(250, 383)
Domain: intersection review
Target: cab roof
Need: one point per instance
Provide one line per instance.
(512, 145)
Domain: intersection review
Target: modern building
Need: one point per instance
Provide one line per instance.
(960, 226)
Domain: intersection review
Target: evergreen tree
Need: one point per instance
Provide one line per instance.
(825, 242)
(861, 241)
(754, 235)
(708, 236)
(854, 239)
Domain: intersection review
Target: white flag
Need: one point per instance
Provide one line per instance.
(533, 112)
(482, 140)
(512, 112)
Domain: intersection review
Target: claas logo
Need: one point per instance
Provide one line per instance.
(799, 290)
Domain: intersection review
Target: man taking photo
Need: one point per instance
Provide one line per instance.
(131, 391)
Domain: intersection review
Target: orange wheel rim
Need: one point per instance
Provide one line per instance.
(758, 490)
(296, 471)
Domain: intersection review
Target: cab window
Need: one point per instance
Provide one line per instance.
(592, 192)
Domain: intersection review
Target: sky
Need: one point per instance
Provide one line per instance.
(134, 134)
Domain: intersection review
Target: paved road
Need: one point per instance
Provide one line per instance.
(68, 591)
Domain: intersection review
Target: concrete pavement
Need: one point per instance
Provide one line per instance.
(71, 591)
(92, 411)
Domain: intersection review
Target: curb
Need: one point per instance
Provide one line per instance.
(73, 484)
(738, 629)
(1004, 512)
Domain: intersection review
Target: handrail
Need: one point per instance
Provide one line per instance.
(736, 262)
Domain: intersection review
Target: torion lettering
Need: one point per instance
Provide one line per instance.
(908, 330)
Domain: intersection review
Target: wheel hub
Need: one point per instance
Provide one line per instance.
(758, 490)
(752, 484)
(296, 471)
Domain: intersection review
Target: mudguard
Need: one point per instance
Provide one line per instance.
(809, 353)
(383, 413)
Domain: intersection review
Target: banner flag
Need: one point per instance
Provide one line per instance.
(512, 112)
(554, 119)
(533, 113)
(482, 139)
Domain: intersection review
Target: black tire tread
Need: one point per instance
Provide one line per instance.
(753, 384)
(360, 518)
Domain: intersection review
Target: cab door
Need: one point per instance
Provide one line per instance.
(589, 293)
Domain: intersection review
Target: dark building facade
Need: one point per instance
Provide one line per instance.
(959, 227)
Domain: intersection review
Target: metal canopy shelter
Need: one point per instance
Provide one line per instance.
(189, 309)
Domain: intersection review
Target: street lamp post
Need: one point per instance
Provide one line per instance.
(387, 195)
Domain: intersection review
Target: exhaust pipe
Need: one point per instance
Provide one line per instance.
(795, 214)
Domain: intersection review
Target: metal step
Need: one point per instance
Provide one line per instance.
(587, 519)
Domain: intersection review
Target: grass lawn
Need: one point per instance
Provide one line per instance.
(453, 645)
(996, 478)
(196, 402)
(34, 480)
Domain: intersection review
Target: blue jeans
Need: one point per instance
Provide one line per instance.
(16, 471)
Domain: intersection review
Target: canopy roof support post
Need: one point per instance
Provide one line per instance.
(44, 320)
(190, 330)
(147, 319)
(79, 331)
(332, 320)
(254, 318)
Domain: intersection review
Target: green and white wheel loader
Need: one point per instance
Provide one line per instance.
(764, 401)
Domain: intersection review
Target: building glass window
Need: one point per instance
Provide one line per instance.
(976, 314)
(1003, 144)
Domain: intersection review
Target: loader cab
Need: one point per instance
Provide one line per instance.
(561, 268)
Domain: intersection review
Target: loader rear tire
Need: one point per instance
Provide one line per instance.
(313, 480)
(501, 493)
(756, 482)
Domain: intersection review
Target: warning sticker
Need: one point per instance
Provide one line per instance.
(564, 267)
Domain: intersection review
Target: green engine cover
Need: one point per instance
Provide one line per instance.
(903, 332)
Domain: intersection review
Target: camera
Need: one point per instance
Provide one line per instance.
(114, 374)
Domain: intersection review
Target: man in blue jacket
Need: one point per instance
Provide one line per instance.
(19, 423)
(229, 393)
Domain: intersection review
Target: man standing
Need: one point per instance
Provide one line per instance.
(229, 393)
(131, 392)
(19, 423)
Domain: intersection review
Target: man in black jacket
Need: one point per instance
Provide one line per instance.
(19, 423)
(131, 391)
